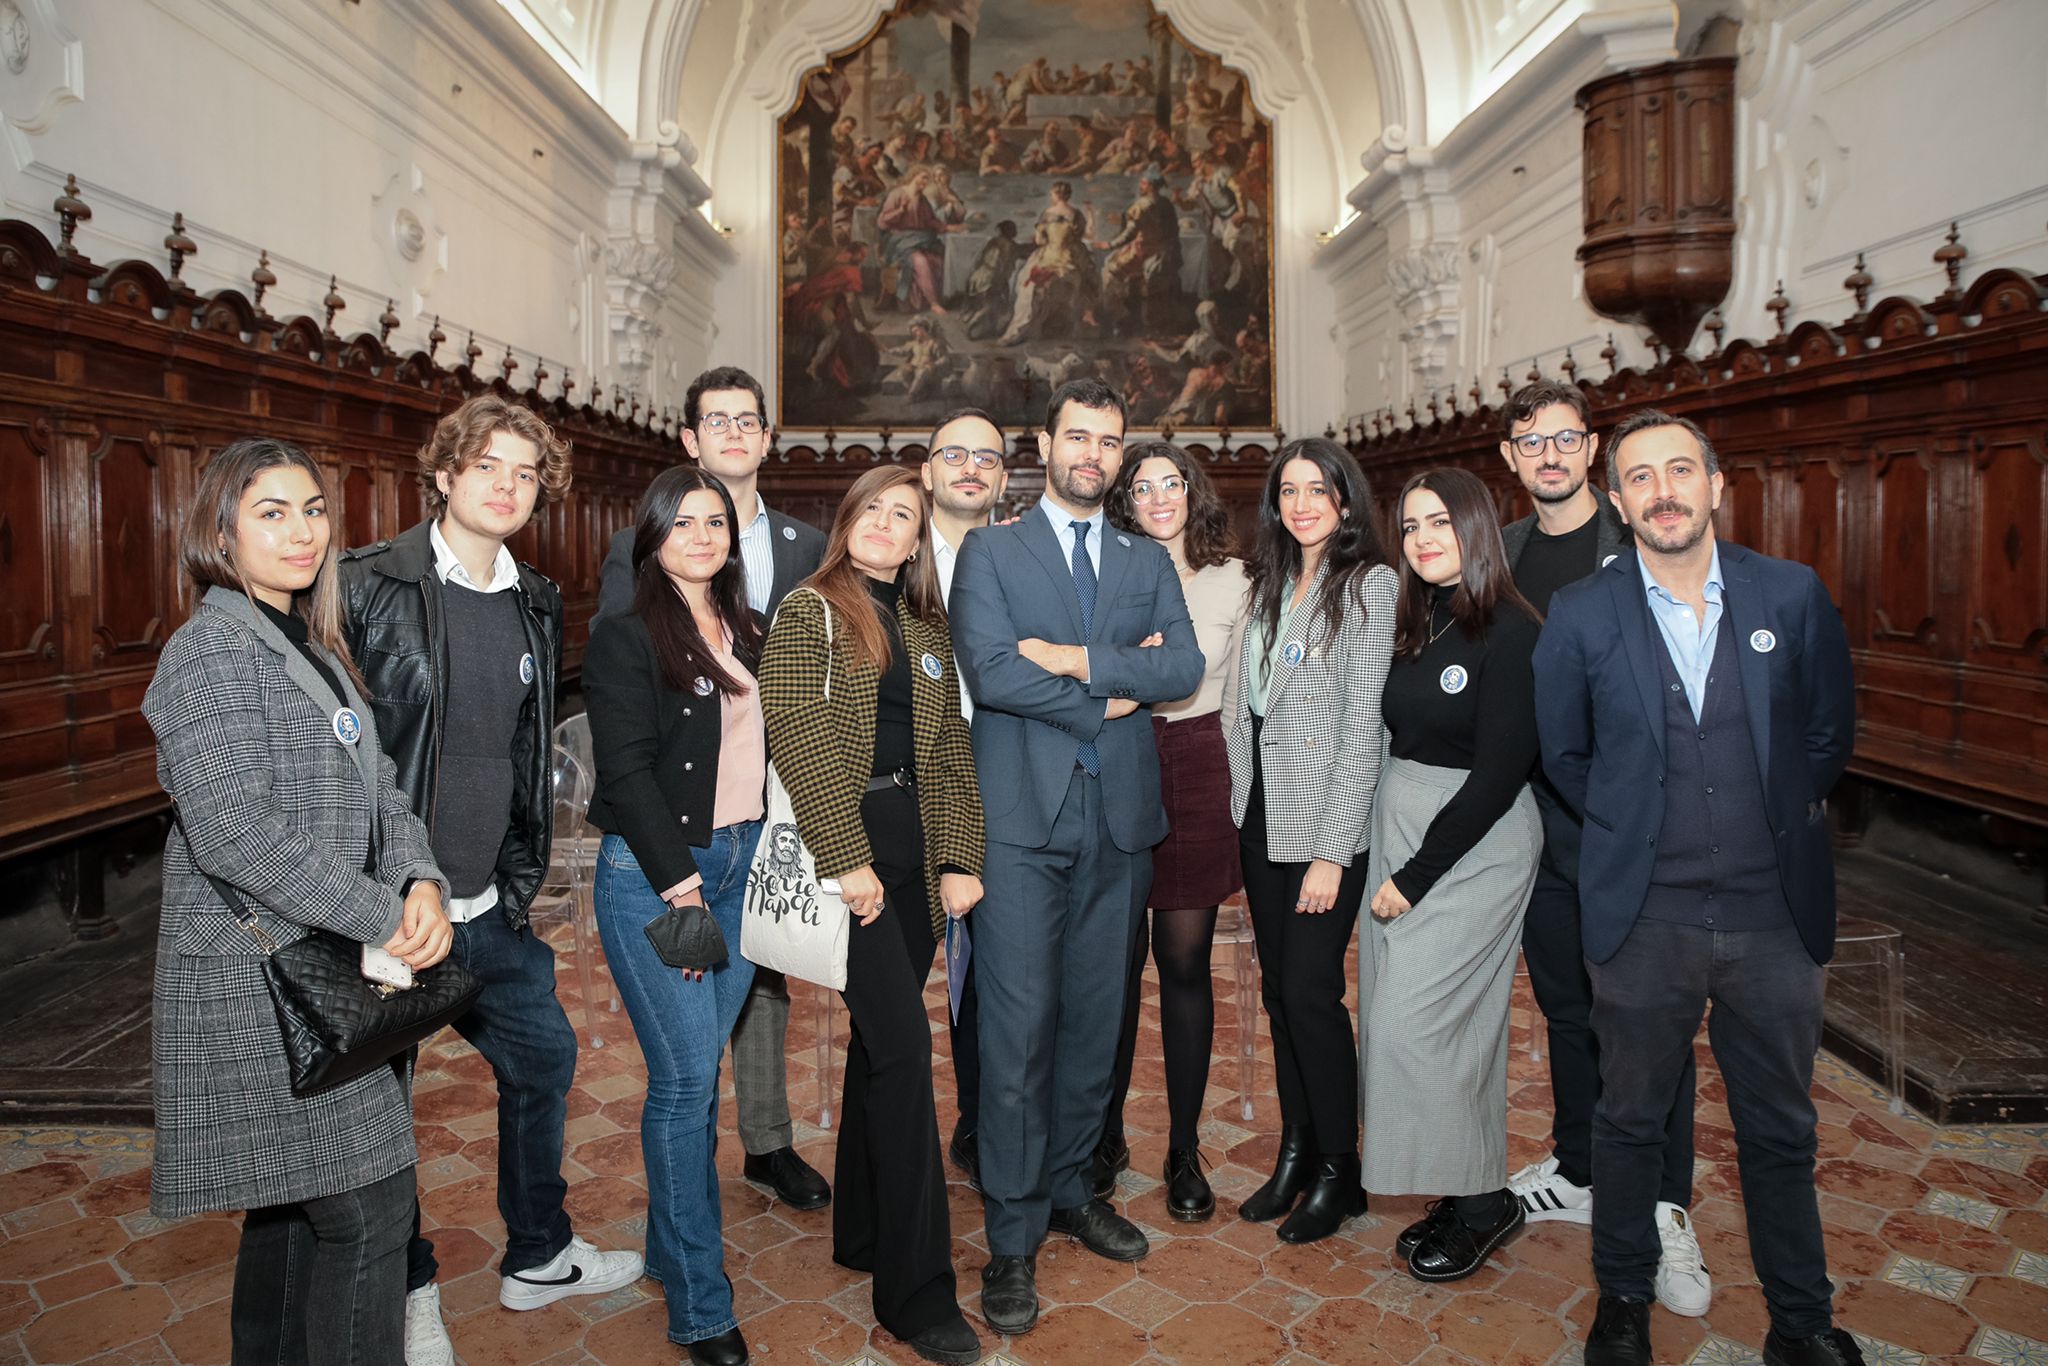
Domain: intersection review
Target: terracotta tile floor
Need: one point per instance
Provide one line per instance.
(1938, 1239)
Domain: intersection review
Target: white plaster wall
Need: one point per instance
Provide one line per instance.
(1862, 125)
(304, 127)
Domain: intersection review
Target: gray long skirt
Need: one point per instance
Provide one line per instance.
(1433, 989)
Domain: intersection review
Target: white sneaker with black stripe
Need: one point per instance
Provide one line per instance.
(578, 1269)
(1546, 1195)
(1683, 1285)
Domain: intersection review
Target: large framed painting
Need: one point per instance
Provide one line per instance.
(986, 198)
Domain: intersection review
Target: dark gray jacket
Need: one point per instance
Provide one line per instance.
(1561, 829)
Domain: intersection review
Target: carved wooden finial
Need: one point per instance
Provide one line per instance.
(1535, 369)
(831, 443)
(1375, 424)
(596, 394)
(508, 365)
(1431, 406)
(333, 303)
(1506, 385)
(618, 399)
(1858, 283)
(540, 372)
(387, 321)
(633, 411)
(1949, 256)
(71, 211)
(1609, 354)
(472, 352)
(1777, 306)
(882, 451)
(1570, 367)
(1223, 440)
(568, 383)
(1478, 398)
(263, 277)
(1715, 326)
(180, 246)
(1279, 437)
(435, 337)
(1656, 346)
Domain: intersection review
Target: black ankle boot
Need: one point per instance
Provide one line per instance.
(1292, 1171)
(1333, 1198)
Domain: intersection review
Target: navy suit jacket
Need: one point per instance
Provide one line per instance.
(1014, 583)
(1600, 710)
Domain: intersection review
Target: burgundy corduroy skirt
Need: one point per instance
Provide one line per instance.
(1196, 865)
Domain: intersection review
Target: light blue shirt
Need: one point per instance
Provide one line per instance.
(1690, 638)
(1063, 528)
(757, 553)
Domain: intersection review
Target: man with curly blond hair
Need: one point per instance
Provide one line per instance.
(461, 646)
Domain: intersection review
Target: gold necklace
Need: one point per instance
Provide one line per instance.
(1436, 634)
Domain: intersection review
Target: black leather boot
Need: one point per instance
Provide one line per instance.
(1333, 1198)
(1292, 1171)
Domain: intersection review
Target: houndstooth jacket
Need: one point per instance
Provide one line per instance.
(1322, 740)
(274, 804)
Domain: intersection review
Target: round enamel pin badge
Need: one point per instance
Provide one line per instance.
(1453, 679)
(1123, 541)
(348, 727)
(703, 687)
(1763, 642)
(932, 667)
(789, 533)
(1609, 560)
(1290, 653)
(526, 669)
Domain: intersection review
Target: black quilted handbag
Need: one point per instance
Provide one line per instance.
(337, 1024)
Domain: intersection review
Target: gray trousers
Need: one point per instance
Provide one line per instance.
(1052, 943)
(760, 1082)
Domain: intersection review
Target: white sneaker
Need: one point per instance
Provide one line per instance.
(578, 1269)
(1683, 1285)
(426, 1337)
(1546, 1195)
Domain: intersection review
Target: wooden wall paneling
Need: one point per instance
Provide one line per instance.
(134, 550)
(1901, 571)
(28, 586)
(2008, 612)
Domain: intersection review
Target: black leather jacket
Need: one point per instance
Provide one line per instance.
(393, 599)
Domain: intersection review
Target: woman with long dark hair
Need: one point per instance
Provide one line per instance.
(675, 729)
(863, 710)
(1304, 745)
(1164, 493)
(1455, 844)
(283, 794)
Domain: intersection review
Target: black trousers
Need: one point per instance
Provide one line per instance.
(1301, 978)
(889, 1211)
(1765, 1029)
(1564, 993)
(322, 1282)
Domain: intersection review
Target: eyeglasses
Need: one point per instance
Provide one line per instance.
(1168, 490)
(1530, 445)
(749, 423)
(984, 458)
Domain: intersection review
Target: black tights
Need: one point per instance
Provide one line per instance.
(1180, 942)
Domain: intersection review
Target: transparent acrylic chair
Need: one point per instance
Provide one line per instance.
(574, 852)
(1872, 943)
(1234, 926)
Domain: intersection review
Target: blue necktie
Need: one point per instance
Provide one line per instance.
(1084, 589)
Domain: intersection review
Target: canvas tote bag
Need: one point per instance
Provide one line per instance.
(795, 922)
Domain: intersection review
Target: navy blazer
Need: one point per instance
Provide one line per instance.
(1600, 710)
(1014, 583)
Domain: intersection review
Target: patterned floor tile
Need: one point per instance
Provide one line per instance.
(1929, 1278)
(1966, 1209)
(1880, 1353)
(1723, 1352)
(2010, 1349)
(2030, 1266)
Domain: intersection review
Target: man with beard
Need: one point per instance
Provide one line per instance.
(1549, 444)
(1066, 630)
(965, 476)
(1696, 707)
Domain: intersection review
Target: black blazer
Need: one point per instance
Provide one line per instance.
(799, 548)
(656, 751)
(1600, 709)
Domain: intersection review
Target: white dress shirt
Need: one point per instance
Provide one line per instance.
(945, 560)
(504, 575)
(757, 553)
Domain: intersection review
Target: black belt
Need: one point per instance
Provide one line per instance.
(902, 777)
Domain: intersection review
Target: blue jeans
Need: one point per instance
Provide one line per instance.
(518, 1025)
(682, 1026)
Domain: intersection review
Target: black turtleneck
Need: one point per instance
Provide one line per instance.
(895, 740)
(293, 628)
(1487, 726)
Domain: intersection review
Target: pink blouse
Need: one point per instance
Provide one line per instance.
(742, 758)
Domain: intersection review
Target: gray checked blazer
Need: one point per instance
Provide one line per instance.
(275, 805)
(1322, 740)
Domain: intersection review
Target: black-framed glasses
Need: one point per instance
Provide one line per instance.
(1171, 489)
(749, 423)
(983, 457)
(1529, 445)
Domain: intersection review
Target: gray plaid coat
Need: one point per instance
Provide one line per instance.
(276, 806)
(1323, 739)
